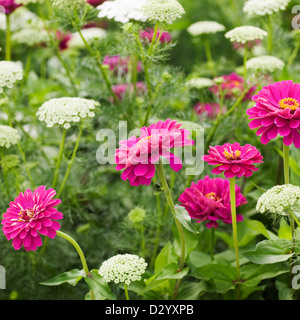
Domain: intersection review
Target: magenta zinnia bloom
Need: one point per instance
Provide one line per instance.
(118, 65)
(233, 159)
(95, 3)
(121, 89)
(211, 110)
(209, 200)
(276, 112)
(138, 156)
(164, 37)
(9, 5)
(30, 215)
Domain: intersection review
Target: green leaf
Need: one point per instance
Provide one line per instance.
(284, 231)
(191, 290)
(184, 218)
(71, 277)
(165, 257)
(100, 287)
(270, 251)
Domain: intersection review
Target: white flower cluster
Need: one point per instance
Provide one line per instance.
(10, 72)
(279, 199)
(122, 10)
(8, 136)
(64, 111)
(264, 64)
(30, 36)
(25, 2)
(199, 83)
(24, 18)
(123, 268)
(261, 8)
(67, 5)
(89, 34)
(205, 27)
(244, 34)
(163, 10)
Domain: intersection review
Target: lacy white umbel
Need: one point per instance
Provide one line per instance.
(10, 72)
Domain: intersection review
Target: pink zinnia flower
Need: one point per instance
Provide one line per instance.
(118, 65)
(211, 110)
(233, 159)
(231, 84)
(138, 156)
(209, 200)
(30, 215)
(276, 112)
(63, 39)
(95, 3)
(122, 88)
(165, 37)
(9, 5)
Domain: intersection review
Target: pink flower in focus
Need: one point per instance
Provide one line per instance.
(138, 156)
(121, 89)
(232, 83)
(9, 5)
(233, 159)
(31, 214)
(276, 111)
(118, 65)
(211, 110)
(209, 200)
(165, 37)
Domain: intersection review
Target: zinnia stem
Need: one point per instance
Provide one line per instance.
(208, 54)
(234, 230)
(58, 163)
(212, 243)
(8, 39)
(167, 192)
(126, 291)
(286, 159)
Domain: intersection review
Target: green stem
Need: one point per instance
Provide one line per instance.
(294, 217)
(8, 39)
(234, 230)
(270, 33)
(286, 156)
(58, 162)
(167, 192)
(212, 243)
(245, 61)
(209, 55)
(70, 163)
(153, 38)
(126, 291)
(294, 54)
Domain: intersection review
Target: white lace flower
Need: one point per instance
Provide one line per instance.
(199, 83)
(264, 7)
(26, 2)
(244, 34)
(24, 18)
(67, 5)
(265, 64)
(10, 72)
(66, 111)
(89, 34)
(8, 136)
(279, 199)
(205, 27)
(30, 36)
(123, 268)
(122, 10)
(163, 10)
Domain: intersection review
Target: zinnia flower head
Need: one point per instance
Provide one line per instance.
(66, 111)
(211, 110)
(205, 27)
(233, 159)
(121, 89)
(231, 84)
(276, 112)
(164, 10)
(123, 268)
(164, 37)
(9, 5)
(30, 215)
(138, 156)
(264, 64)
(266, 7)
(209, 200)
(245, 34)
(118, 65)
(10, 72)
(279, 199)
(95, 3)
(8, 136)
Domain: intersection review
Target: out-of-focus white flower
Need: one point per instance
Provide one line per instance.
(163, 10)
(264, 7)
(89, 34)
(25, 2)
(123, 268)
(205, 27)
(10, 72)
(24, 18)
(264, 64)
(30, 36)
(122, 10)
(65, 111)
(8, 136)
(244, 34)
(199, 83)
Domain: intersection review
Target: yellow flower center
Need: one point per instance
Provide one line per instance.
(291, 103)
(212, 196)
(26, 215)
(232, 155)
(144, 139)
